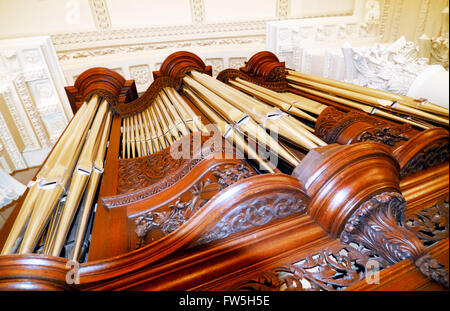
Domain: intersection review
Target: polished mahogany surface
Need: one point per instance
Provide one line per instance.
(214, 221)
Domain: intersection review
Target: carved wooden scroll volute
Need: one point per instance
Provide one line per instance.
(355, 196)
(378, 226)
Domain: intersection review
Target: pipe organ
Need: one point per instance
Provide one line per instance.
(262, 179)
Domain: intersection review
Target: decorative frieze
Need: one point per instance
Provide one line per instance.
(100, 14)
(31, 97)
(198, 11)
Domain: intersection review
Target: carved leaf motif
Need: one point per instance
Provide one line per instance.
(376, 225)
(181, 211)
(255, 212)
(333, 268)
(431, 224)
(432, 155)
(385, 136)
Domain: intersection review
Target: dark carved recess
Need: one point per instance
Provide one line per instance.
(430, 225)
(385, 135)
(332, 269)
(181, 211)
(428, 157)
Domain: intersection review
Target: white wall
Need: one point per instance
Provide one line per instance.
(134, 36)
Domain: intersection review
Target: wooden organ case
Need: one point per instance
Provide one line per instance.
(145, 194)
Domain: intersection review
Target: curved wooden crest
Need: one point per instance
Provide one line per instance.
(171, 73)
(414, 150)
(263, 69)
(177, 64)
(104, 82)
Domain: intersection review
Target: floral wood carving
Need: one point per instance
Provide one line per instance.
(140, 178)
(332, 269)
(277, 84)
(255, 212)
(377, 226)
(182, 210)
(332, 122)
(385, 135)
(430, 225)
(428, 157)
(138, 105)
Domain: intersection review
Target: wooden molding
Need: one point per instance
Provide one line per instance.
(177, 64)
(104, 82)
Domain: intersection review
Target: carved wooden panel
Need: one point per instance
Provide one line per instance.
(333, 268)
(430, 224)
(166, 219)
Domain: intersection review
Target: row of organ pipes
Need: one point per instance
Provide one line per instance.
(64, 189)
(61, 202)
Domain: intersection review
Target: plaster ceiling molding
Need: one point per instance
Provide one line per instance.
(30, 108)
(32, 75)
(140, 74)
(96, 38)
(217, 65)
(9, 61)
(395, 25)
(197, 11)
(389, 67)
(49, 109)
(35, 103)
(422, 18)
(10, 146)
(100, 14)
(372, 14)
(384, 19)
(440, 45)
(440, 51)
(73, 56)
(119, 71)
(236, 62)
(303, 43)
(18, 115)
(30, 57)
(283, 8)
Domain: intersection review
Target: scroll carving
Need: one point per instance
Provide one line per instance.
(432, 269)
(141, 103)
(143, 172)
(428, 157)
(266, 66)
(253, 213)
(385, 135)
(332, 269)
(332, 122)
(376, 225)
(143, 177)
(182, 210)
(277, 84)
